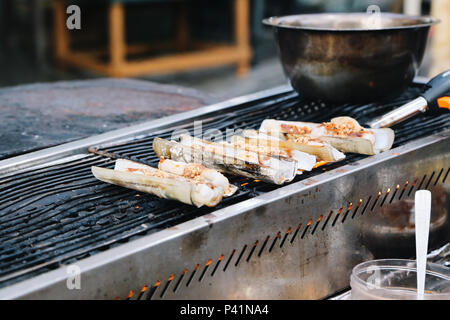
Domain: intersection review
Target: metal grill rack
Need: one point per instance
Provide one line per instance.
(53, 215)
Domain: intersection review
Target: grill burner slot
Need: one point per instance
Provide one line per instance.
(59, 214)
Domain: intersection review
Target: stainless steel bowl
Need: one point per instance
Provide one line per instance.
(350, 57)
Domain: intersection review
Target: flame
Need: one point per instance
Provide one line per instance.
(350, 206)
(208, 263)
(244, 184)
(144, 288)
(130, 294)
(320, 218)
(319, 164)
(256, 180)
(157, 283)
(388, 190)
(220, 258)
(309, 222)
(171, 277)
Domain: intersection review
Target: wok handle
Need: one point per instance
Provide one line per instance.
(438, 87)
(433, 98)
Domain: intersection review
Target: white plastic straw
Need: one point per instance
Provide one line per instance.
(422, 221)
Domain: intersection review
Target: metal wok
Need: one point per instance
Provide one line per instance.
(350, 57)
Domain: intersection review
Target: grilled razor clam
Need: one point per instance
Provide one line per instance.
(198, 172)
(304, 160)
(323, 151)
(343, 133)
(282, 167)
(166, 185)
(255, 134)
(229, 160)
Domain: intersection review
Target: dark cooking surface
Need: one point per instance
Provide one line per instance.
(41, 115)
(62, 213)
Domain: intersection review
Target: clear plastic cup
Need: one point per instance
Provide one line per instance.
(395, 279)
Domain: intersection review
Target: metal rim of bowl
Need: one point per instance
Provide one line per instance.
(364, 265)
(422, 21)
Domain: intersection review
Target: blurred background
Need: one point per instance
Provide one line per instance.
(220, 47)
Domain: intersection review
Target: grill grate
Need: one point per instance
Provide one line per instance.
(58, 214)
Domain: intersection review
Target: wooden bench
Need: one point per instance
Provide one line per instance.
(205, 55)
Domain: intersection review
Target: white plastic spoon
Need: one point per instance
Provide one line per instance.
(422, 222)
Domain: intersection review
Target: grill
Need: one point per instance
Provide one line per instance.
(299, 240)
